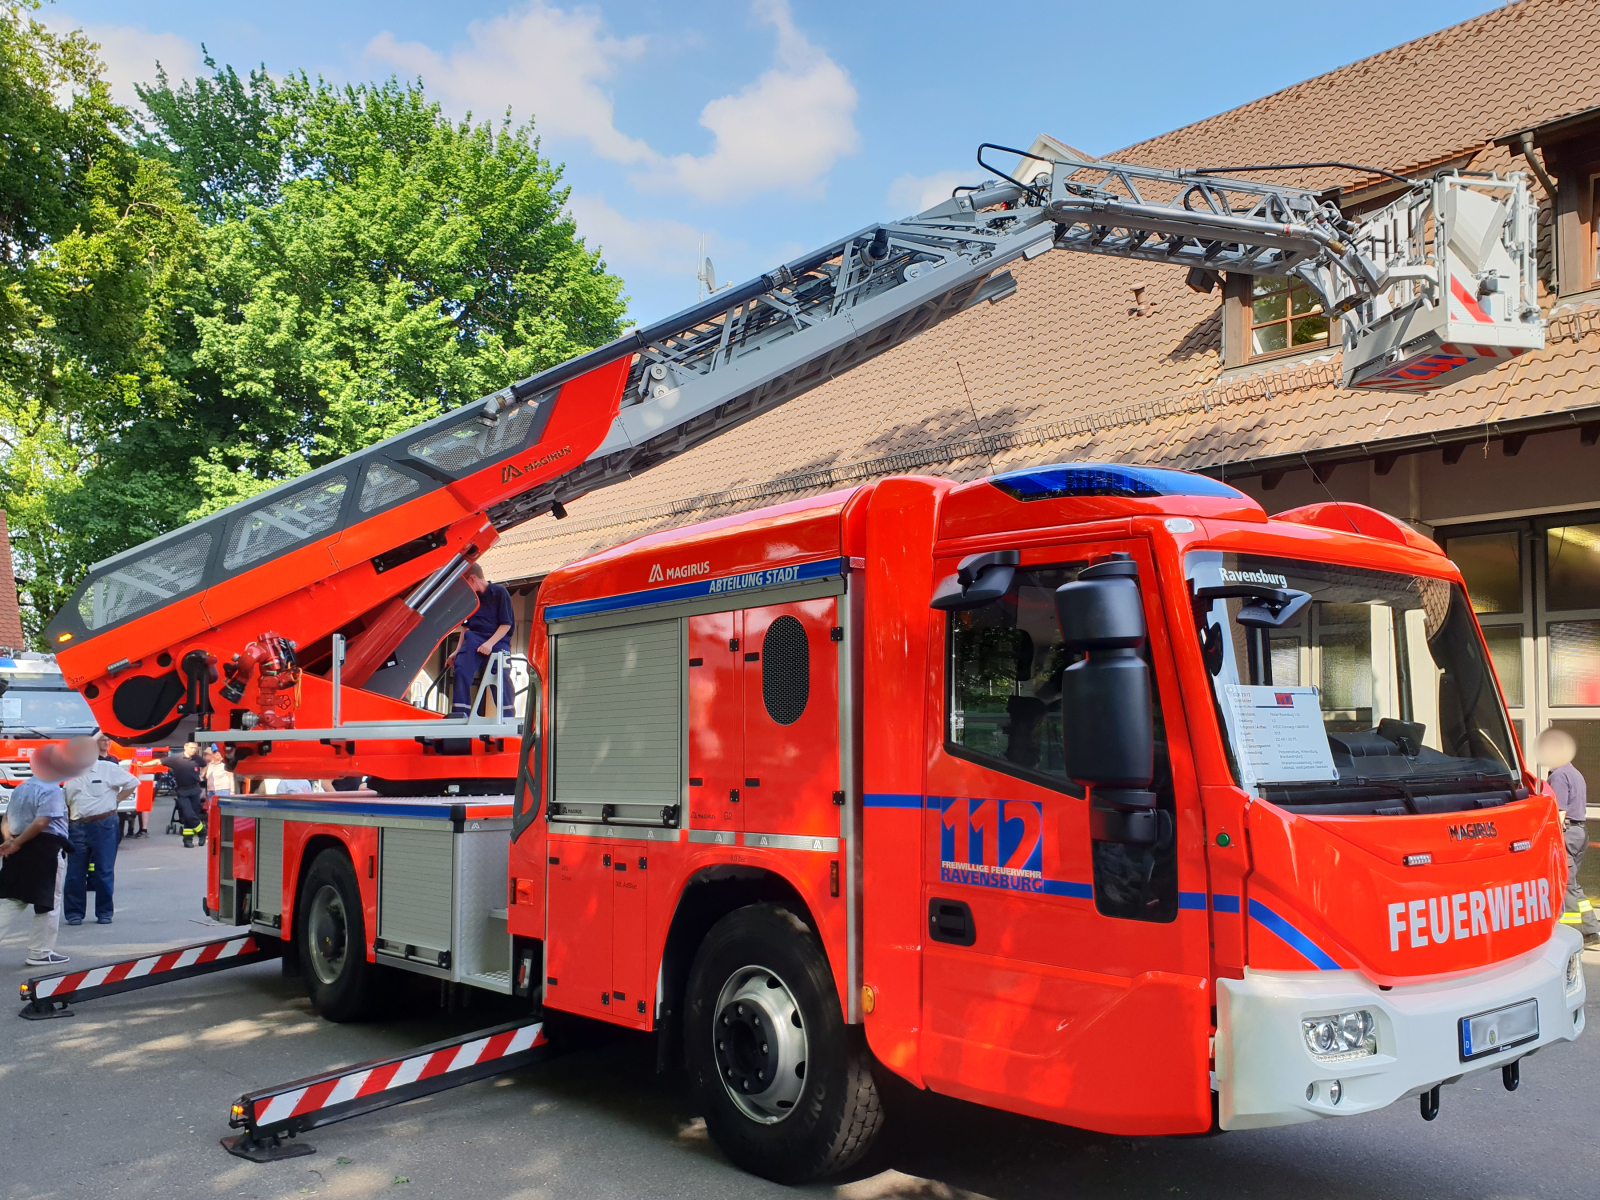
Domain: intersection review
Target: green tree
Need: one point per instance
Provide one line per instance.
(394, 264)
(222, 136)
(96, 247)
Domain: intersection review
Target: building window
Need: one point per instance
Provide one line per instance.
(1592, 233)
(1285, 315)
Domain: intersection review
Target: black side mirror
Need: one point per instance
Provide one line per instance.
(979, 579)
(1106, 714)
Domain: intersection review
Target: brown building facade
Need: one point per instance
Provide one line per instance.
(1097, 359)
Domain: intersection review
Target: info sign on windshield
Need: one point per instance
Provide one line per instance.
(1278, 735)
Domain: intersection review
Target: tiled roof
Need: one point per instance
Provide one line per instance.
(1063, 370)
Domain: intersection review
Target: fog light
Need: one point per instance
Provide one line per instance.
(1340, 1037)
(1574, 973)
(1335, 1090)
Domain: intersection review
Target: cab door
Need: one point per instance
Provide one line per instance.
(1063, 977)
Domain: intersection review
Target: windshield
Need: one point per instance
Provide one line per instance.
(27, 712)
(1351, 688)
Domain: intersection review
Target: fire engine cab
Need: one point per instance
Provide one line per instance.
(1086, 792)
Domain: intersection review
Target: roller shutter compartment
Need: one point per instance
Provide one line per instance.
(619, 725)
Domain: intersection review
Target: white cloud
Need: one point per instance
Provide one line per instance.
(784, 131)
(650, 243)
(537, 60)
(130, 53)
(912, 193)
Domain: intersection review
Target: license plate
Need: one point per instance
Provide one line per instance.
(1492, 1032)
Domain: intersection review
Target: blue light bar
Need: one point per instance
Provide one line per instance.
(1108, 479)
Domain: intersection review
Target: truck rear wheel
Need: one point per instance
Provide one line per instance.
(333, 940)
(784, 1084)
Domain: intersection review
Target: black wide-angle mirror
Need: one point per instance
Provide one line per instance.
(979, 579)
(1106, 713)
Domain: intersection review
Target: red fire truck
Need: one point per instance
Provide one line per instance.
(1085, 791)
(1002, 787)
(37, 706)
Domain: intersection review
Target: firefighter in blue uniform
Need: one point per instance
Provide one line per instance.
(488, 630)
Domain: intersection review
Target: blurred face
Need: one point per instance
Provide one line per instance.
(82, 751)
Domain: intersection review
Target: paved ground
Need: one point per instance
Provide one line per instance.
(128, 1100)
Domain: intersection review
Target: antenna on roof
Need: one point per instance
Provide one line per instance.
(708, 273)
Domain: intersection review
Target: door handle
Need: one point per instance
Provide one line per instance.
(951, 921)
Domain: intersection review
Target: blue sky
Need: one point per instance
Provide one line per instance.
(766, 127)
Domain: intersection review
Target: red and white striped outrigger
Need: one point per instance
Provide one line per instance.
(47, 996)
(268, 1115)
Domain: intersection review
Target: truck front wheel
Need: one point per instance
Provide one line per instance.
(784, 1084)
(333, 940)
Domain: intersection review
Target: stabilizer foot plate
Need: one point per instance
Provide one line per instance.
(267, 1149)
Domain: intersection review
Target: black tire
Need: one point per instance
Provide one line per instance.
(806, 1123)
(331, 936)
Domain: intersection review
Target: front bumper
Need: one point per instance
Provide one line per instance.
(1265, 1074)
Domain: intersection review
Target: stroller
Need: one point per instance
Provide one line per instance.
(167, 788)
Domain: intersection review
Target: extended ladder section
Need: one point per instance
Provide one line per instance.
(1449, 269)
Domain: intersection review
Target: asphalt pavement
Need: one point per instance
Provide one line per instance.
(129, 1097)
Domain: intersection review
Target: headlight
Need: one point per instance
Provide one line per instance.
(1574, 973)
(1340, 1037)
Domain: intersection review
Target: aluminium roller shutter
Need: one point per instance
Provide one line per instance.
(618, 715)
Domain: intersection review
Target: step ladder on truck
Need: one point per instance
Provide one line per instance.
(1000, 787)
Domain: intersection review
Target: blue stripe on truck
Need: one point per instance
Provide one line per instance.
(720, 585)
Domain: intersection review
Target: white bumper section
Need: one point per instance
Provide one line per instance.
(1266, 1075)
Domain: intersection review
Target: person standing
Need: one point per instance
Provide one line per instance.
(33, 865)
(92, 800)
(488, 630)
(1556, 751)
(185, 769)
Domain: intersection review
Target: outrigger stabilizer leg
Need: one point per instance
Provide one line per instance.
(47, 996)
(273, 1114)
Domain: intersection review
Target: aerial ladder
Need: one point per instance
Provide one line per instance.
(290, 626)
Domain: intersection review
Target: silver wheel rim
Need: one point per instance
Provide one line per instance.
(330, 933)
(759, 1040)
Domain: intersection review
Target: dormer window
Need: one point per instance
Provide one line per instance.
(1285, 315)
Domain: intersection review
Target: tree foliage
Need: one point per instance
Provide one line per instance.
(260, 277)
(96, 247)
